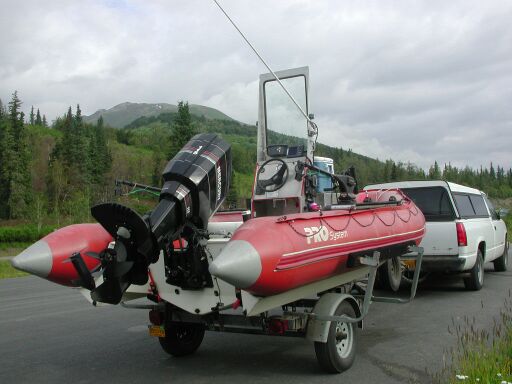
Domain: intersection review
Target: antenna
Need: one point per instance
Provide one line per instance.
(313, 125)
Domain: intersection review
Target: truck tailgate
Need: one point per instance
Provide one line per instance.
(440, 239)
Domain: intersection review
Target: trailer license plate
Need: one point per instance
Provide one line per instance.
(156, 330)
(410, 264)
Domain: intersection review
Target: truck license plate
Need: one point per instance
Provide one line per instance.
(156, 330)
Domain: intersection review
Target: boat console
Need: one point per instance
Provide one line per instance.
(285, 140)
(286, 178)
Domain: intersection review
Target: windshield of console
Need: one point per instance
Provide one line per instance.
(284, 122)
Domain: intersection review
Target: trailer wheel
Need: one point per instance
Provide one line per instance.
(338, 353)
(501, 263)
(475, 281)
(182, 339)
(390, 275)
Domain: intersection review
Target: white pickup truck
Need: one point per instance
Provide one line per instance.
(464, 231)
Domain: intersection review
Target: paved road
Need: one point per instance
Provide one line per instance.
(49, 334)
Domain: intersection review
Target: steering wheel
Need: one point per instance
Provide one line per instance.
(277, 180)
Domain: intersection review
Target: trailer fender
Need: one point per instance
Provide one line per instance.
(318, 330)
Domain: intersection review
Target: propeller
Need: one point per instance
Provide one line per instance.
(127, 262)
(116, 269)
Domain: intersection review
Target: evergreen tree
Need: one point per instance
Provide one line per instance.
(500, 175)
(394, 171)
(100, 158)
(15, 183)
(45, 123)
(182, 129)
(7, 160)
(32, 119)
(78, 115)
(434, 172)
(5, 141)
(39, 122)
(16, 118)
(62, 147)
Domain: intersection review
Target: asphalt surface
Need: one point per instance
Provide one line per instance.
(50, 334)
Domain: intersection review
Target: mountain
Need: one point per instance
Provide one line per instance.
(124, 113)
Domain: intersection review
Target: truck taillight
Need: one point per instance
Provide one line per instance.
(462, 238)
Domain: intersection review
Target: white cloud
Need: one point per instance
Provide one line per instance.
(236, 102)
(415, 81)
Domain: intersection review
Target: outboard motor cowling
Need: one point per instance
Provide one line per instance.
(197, 180)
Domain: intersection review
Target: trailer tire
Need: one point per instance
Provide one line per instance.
(338, 353)
(475, 281)
(501, 263)
(182, 339)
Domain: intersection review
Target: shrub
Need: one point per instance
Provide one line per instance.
(24, 233)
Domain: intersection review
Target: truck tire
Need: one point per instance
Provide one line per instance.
(389, 275)
(501, 263)
(475, 280)
(182, 339)
(338, 353)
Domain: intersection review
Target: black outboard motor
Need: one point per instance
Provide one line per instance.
(196, 182)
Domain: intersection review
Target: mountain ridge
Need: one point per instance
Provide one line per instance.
(124, 113)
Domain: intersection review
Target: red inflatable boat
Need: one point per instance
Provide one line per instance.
(270, 255)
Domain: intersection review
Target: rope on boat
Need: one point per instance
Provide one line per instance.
(375, 215)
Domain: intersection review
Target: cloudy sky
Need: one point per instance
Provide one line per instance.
(409, 80)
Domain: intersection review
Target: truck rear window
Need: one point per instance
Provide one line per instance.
(470, 205)
(434, 202)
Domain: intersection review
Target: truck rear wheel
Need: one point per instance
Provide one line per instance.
(390, 275)
(501, 263)
(182, 339)
(338, 353)
(475, 280)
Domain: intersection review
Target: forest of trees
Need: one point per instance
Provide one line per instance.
(77, 165)
(58, 171)
(150, 133)
(77, 162)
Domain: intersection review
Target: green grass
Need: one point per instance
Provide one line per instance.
(24, 233)
(15, 245)
(508, 221)
(481, 355)
(6, 270)
(12, 249)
